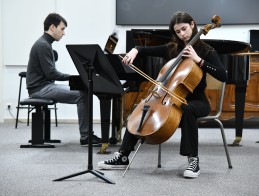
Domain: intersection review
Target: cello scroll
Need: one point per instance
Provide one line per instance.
(217, 23)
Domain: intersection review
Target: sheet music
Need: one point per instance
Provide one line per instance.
(111, 42)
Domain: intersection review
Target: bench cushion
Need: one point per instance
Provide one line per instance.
(37, 101)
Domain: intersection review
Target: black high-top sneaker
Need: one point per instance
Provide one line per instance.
(118, 161)
(193, 170)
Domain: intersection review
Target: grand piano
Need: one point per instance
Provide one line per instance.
(228, 50)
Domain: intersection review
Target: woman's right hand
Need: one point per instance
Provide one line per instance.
(130, 56)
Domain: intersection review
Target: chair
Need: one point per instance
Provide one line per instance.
(214, 85)
(28, 107)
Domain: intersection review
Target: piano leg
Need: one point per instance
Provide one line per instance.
(240, 94)
(116, 120)
(105, 109)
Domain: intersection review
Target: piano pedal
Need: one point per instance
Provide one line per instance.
(103, 149)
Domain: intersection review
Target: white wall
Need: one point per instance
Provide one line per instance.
(89, 22)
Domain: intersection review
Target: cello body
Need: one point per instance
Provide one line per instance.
(164, 113)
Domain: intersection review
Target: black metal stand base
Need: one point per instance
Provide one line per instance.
(90, 134)
(37, 146)
(94, 172)
(49, 141)
(53, 141)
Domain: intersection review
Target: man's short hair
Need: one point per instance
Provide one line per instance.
(53, 18)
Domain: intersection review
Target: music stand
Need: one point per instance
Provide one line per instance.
(98, 76)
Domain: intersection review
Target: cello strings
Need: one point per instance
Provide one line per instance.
(179, 98)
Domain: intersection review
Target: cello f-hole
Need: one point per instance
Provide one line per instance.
(163, 100)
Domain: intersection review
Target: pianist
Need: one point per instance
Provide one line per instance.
(41, 74)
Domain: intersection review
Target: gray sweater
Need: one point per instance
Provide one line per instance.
(41, 69)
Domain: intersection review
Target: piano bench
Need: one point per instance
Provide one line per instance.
(40, 129)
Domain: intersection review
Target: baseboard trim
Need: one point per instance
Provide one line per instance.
(62, 121)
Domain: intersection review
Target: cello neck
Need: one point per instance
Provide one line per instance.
(178, 59)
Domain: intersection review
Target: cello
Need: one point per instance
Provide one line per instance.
(156, 117)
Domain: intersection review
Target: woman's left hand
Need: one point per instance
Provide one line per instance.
(191, 53)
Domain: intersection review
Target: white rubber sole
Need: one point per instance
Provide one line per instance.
(190, 174)
(103, 166)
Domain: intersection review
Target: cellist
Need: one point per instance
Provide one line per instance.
(183, 28)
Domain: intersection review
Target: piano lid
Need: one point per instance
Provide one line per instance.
(151, 37)
(162, 36)
(228, 46)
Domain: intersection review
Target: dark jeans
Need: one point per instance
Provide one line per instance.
(62, 94)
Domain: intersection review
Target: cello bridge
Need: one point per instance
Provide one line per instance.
(155, 94)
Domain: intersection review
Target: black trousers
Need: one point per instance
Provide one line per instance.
(198, 106)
